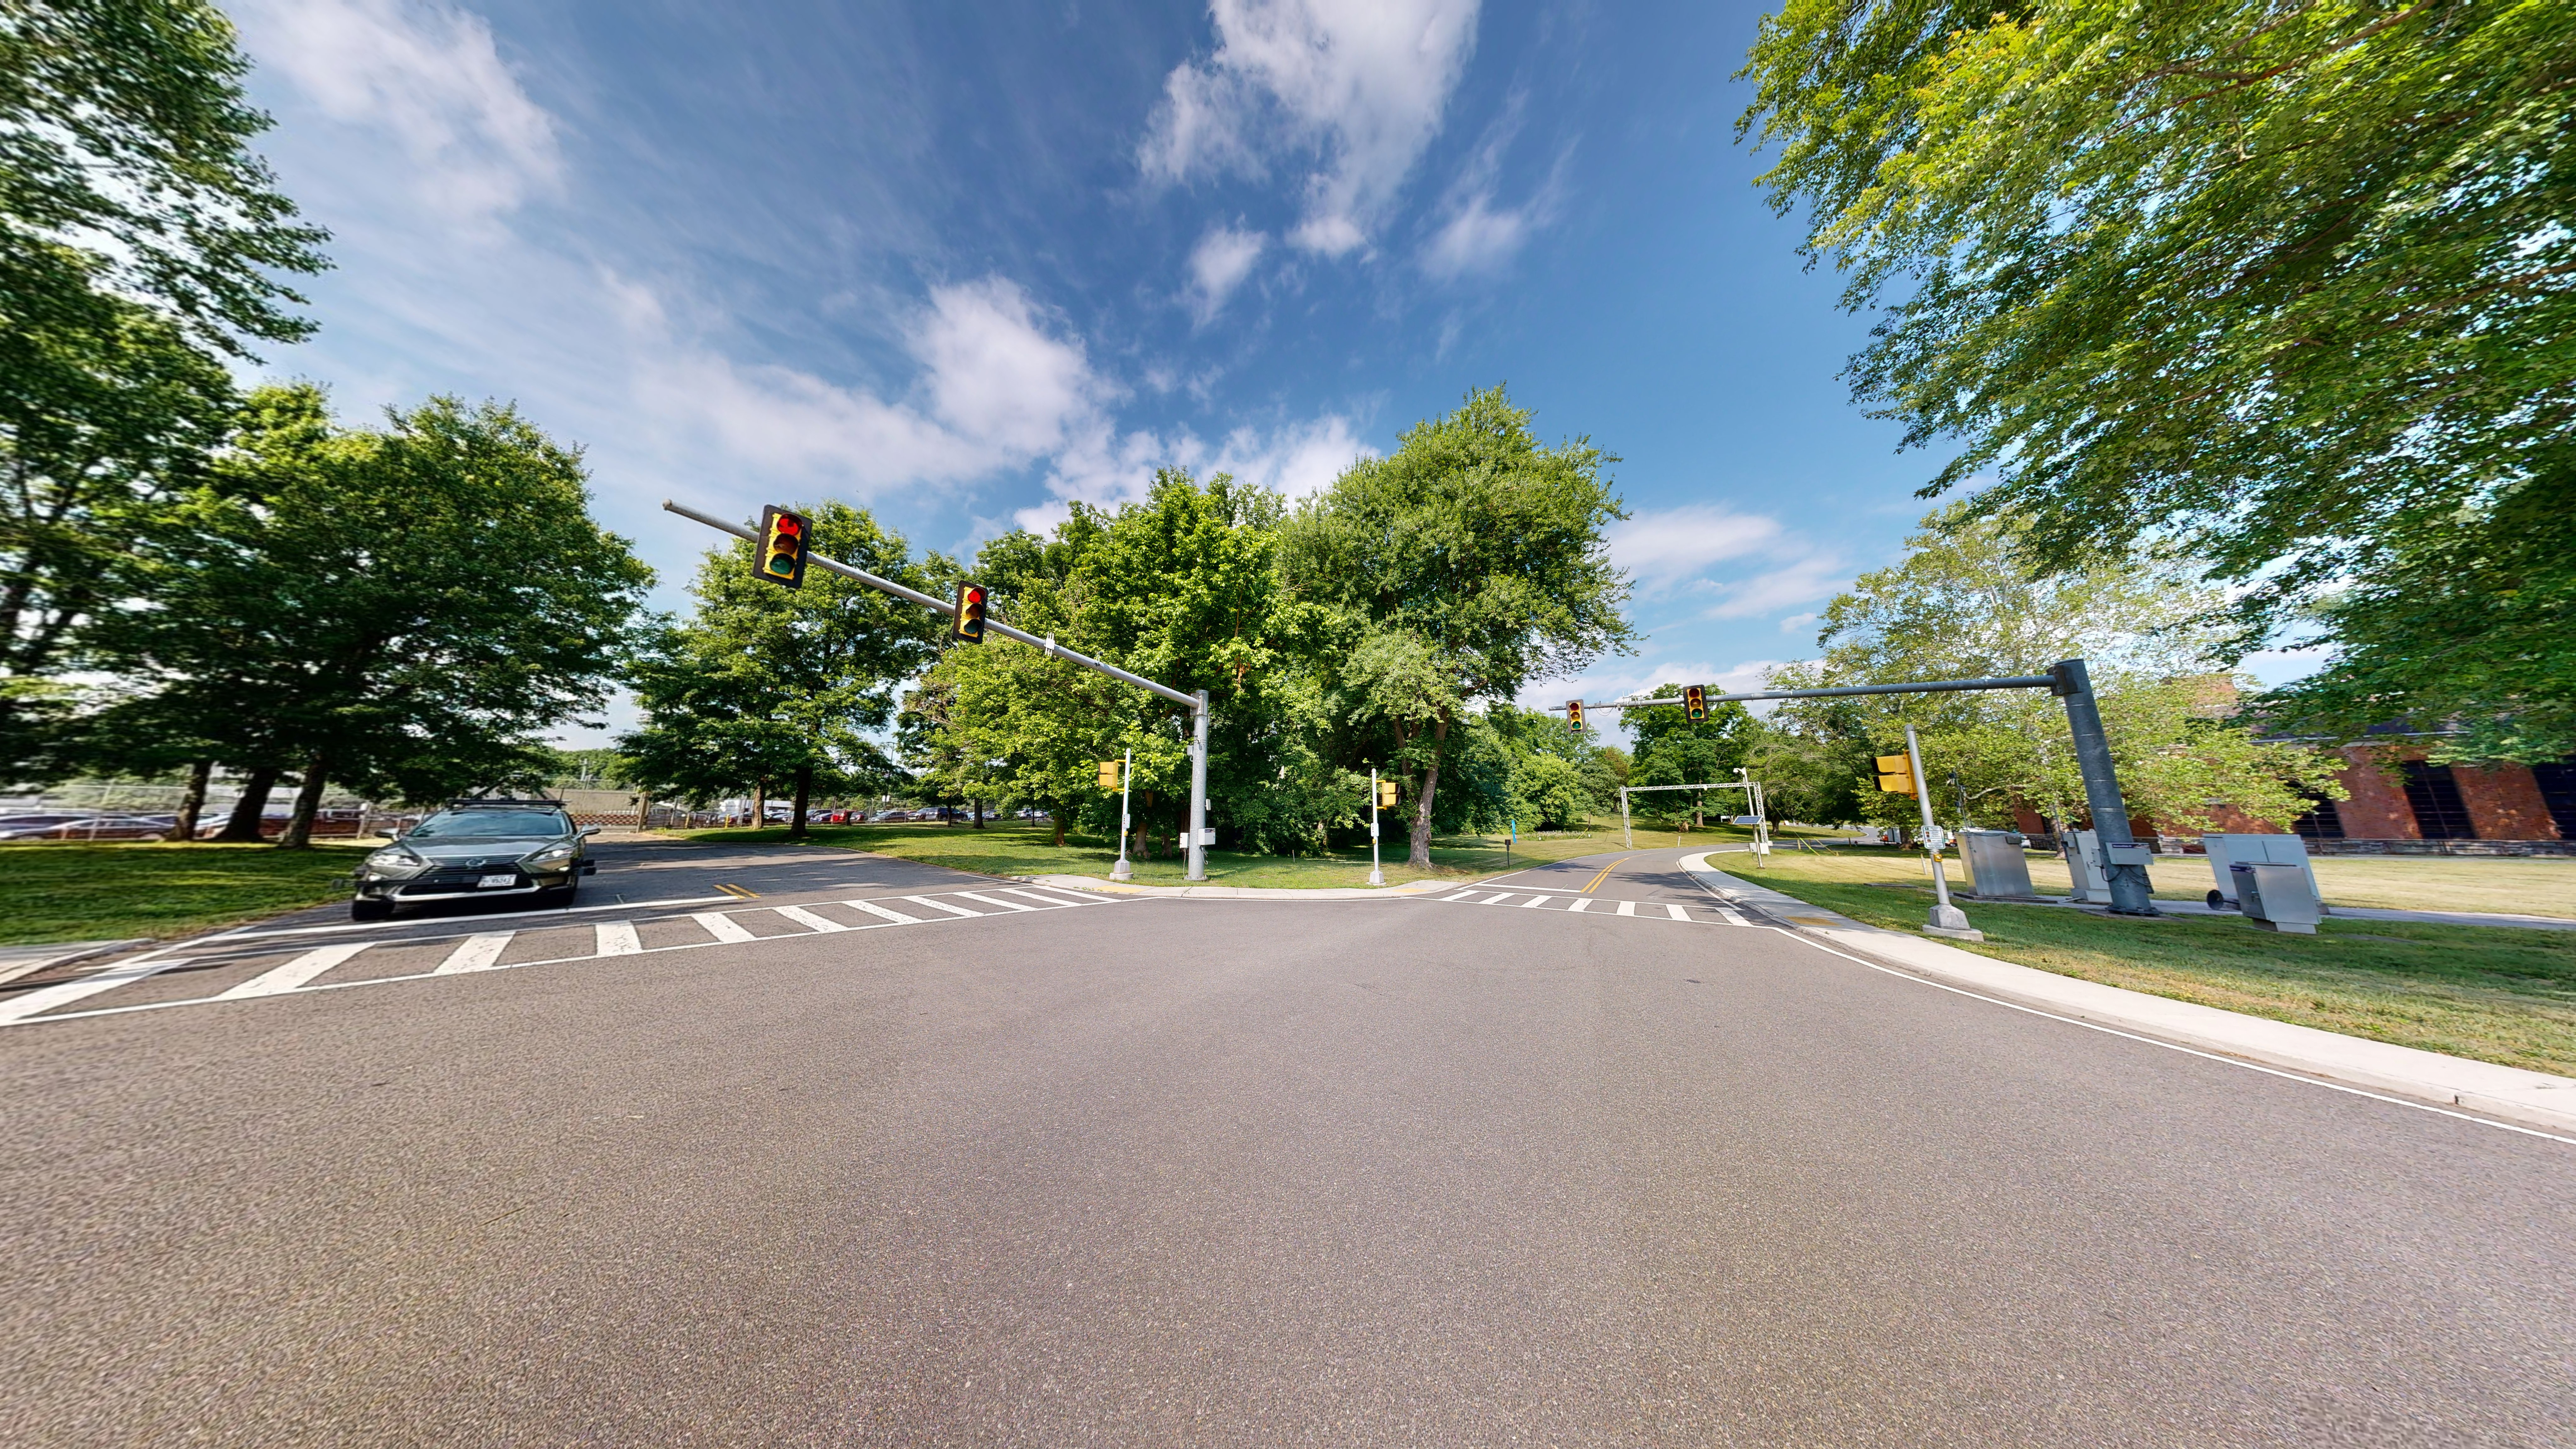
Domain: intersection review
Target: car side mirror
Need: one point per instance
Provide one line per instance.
(588, 830)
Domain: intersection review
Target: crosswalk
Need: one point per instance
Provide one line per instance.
(1706, 913)
(247, 966)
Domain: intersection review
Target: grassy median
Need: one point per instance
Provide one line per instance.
(73, 892)
(2498, 994)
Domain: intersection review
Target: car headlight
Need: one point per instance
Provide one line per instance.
(548, 858)
(395, 864)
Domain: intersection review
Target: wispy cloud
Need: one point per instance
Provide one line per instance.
(1361, 84)
(1105, 467)
(1478, 234)
(1218, 265)
(426, 74)
(1666, 545)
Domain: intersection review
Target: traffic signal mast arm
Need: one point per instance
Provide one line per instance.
(1942, 686)
(943, 606)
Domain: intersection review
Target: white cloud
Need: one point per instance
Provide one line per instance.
(994, 374)
(1361, 84)
(1802, 579)
(1218, 265)
(426, 74)
(1476, 239)
(1105, 468)
(1665, 545)
(1297, 460)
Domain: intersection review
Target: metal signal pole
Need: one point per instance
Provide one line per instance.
(1126, 785)
(1377, 877)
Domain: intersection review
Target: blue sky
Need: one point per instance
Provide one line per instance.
(959, 263)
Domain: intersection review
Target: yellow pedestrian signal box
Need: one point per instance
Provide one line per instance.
(1695, 702)
(1896, 774)
(1574, 713)
(1386, 794)
(1109, 774)
(784, 538)
(968, 626)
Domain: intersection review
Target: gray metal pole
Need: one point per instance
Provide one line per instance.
(1947, 919)
(1126, 784)
(1198, 788)
(1624, 829)
(1377, 877)
(2132, 894)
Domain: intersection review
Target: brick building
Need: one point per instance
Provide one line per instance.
(2425, 805)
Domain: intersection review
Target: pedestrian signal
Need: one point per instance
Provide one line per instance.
(784, 537)
(1896, 774)
(969, 623)
(1109, 774)
(1695, 702)
(1574, 713)
(1386, 794)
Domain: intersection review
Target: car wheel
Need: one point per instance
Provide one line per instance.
(363, 909)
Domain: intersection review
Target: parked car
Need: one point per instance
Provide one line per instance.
(477, 848)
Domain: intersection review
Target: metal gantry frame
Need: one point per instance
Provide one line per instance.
(1752, 800)
(2125, 861)
(1197, 702)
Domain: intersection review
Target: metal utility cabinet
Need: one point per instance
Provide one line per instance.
(2243, 849)
(2277, 898)
(1997, 870)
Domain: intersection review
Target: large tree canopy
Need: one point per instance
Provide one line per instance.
(2269, 283)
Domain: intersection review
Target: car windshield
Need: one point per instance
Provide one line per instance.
(488, 825)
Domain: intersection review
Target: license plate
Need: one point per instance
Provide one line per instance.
(496, 880)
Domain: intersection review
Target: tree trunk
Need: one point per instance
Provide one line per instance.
(1055, 813)
(1421, 856)
(242, 826)
(759, 804)
(308, 801)
(976, 808)
(193, 803)
(804, 792)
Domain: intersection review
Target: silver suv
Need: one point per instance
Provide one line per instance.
(477, 848)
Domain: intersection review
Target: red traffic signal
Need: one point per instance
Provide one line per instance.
(968, 626)
(1695, 702)
(784, 537)
(1574, 713)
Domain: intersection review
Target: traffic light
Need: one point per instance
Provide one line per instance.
(1386, 794)
(1896, 774)
(783, 540)
(1695, 702)
(1109, 774)
(1574, 713)
(969, 623)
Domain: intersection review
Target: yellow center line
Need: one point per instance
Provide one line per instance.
(738, 892)
(1595, 883)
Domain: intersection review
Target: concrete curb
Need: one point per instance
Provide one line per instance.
(1243, 893)
(2510, 1094)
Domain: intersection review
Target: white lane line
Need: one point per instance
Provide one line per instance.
(991, 901)
(46, 998)
(618, 938)
(1497, 896)
(230, 936)
(1676, 912)
(1627, 908)
(475, 953)
(280, 979)
(808, 919)
(1581, 904)
(873, 909)
(1462, 895)
(1732, 918)
(1536, 901)
(944, 906)
(1046, 900)
(724, 928)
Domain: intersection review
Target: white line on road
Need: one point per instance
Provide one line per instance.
(1627, 908)
(1536, 901)
(1497, 896)
(1048, 900)
(46, 998)
(1581, 904)
(806, 918)
(461, 920)
(1462, 895)
(618, 938)
(475, 953)
(873, 909)
(294, 973)
(1676, 912)
(724, 928)
(990, 901)
(944, 906)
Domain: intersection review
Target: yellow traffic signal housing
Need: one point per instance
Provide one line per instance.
(1695, 702)
(1386, 794)
(1896, 774)
(1897, 784)
(784, 539)
(968, 626)
(1574, 713)
(1109, 774)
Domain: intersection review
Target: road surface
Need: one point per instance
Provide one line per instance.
(1512, 1165)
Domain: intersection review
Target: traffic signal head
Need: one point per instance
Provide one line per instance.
(1574, 713)
(1896, 774)
(1386, 794)
(1109, 774)
(969, 623)
(784, 538)
(1695, 702)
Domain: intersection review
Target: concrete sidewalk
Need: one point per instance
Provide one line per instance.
(2510, 1094)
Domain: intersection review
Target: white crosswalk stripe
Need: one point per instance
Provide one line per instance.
(297, 972)
(809, 920)
(939, 905)
(1582, 904)
(1627, 908)
(873, 909)
(64, 993)
(1048, 900)
(618, 938)
(476, 953)
(1676, 912)
(723, 927)
(992, 901)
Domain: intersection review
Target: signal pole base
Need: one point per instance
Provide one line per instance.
(1120, 870)
(1377, 877)
(1948, 920)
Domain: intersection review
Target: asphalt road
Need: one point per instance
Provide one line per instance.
(1440, 1171)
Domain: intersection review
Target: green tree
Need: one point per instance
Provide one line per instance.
(767, 685)
(1671, 750)
(2274, 287)
(400, 610)
(1468, 564)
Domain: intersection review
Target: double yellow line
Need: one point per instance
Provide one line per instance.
(1594, 884)
(738, 893)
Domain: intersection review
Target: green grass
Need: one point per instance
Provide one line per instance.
(104, 892)
(1015, 849)
(2497, 994)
